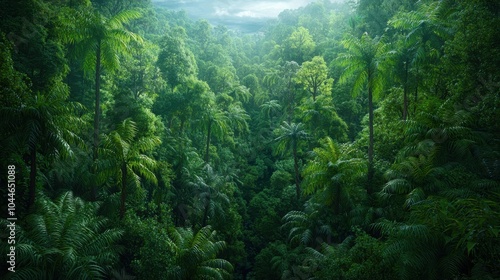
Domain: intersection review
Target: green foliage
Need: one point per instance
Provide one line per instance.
(124, 159)
(212, 195)
(94, 35)
(306, 228)
(313, 77)
(45, 124)
(195, 255)
(265, 213)
(363, 63)
(359, 257)
(331, 176)
(65, 239)
(175, 60)
(148, 247)
(262, 268)
(14, 85)
(299, 46)
(289, 136)
(257, 142)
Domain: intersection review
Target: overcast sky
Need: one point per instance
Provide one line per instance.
(243, 14)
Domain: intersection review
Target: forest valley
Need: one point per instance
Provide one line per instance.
(356, 140)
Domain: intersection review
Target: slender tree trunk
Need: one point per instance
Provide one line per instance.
(370, 145)
(405, 93)
(338, 200)
(270, 121)
(181, 128)
(97, 100)
(124, 191)
(32, 186)
(296, 169)
(209, 132)
(205, 212)
(96, 114)
(416, 91)
(291, 101)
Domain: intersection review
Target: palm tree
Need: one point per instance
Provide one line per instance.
(43, 125)
(238, 117)
(216, 122)
(210, 191)
(196, 255)
(423, 36)
(240, 93)
(330, 173)
(288, 73)
(270, 83)
(440, 140)
(428, 245)
(403, 60)
(363, 62)
(125, 159)
(321, 118)
(65, 239)
(289, 136)
(269, 108)
(100, 41)
(306, 228)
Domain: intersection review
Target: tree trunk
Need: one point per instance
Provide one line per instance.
(181, 128)
(205, 212)
(97, 112)
(296, 168)
(370, 145)
(416, 91)
(209, 132)
(124, 191)
(32, 186)
(338, 200)
(405, 93)
(97, 100)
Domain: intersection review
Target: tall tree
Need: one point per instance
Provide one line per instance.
(210, 186)
(125, 159)
(424, 37)
(313, 76)
(176, 61)
(363, 64)
(269, 108)
(299, 46)
(216, 122)
(287, 92)
(43, 125)
(289, 136)
(101, 41)
(330, 174)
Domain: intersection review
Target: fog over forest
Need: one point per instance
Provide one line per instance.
(241, 15)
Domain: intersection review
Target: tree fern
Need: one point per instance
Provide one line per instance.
(331, 173)
(195, 255)
(124, 158)
(65, 239)
(365, 60)
(289, 137)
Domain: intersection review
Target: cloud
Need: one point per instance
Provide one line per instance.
(258, 9)
(220, 12)
(233, 12)
(247, 14)
(239, 8)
